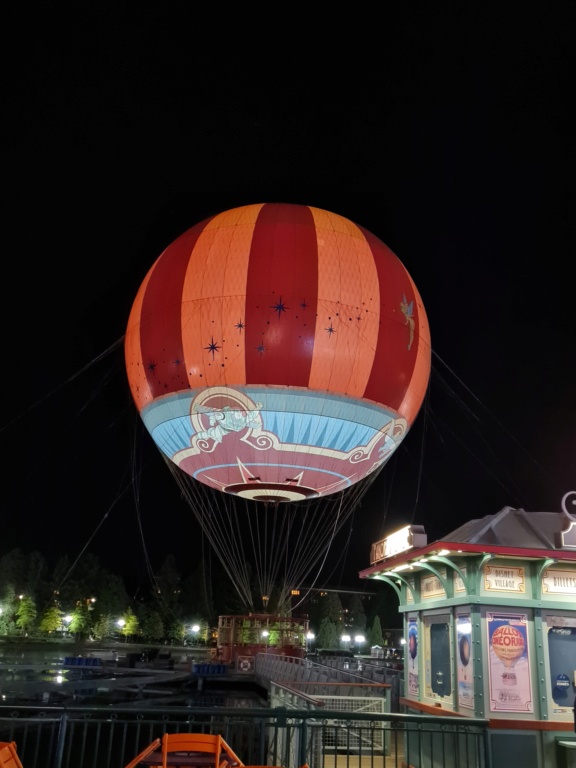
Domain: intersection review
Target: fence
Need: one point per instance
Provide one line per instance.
(324, 714)
(332, 669)
(104, 737)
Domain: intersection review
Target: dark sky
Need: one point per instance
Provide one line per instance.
(444, 129)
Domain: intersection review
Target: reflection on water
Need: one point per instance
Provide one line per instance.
(54, 675)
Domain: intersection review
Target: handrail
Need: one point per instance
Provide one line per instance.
(66, 737)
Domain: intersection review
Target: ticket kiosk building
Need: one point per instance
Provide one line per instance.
(489, 617)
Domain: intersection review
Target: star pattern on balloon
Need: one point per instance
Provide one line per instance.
(213, 348)
(279, 307)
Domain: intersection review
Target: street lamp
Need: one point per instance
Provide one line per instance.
(195, 628)
(121, 623)
(359, 640)
(266, 635)
(309, 637)
(346, 641)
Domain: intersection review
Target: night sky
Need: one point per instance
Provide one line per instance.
(444, 129)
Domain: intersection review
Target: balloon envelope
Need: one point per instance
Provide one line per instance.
(278, 352)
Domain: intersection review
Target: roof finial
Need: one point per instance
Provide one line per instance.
(569, 499)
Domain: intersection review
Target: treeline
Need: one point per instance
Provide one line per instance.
(85, 599)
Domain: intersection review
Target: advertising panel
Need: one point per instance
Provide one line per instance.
(509, 663)
(412, 665)
(465, 676)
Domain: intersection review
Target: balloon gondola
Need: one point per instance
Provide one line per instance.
(277, 354)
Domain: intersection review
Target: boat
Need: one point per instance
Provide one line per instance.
(242, 637)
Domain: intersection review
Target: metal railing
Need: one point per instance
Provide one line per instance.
(332, 669)
(109, 737)
(327, 714)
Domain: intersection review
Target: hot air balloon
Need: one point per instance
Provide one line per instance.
(508, 645)
(277, 353)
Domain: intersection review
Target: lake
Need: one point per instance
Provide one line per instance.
(119, 674)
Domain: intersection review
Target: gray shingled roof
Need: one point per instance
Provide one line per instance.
(512, 528)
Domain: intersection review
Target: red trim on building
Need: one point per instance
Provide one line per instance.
(461, 548)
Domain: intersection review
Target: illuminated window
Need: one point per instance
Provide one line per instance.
(562, 655)
(438, 656)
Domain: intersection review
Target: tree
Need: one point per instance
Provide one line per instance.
(175, 631)
(36, 581)
(375, 636)
(13, 572)
(151, 624)
(81, 621)
(26, 614)
(51, 620)
(104, 627)
(386, 607)
(356, 615)
(167, 585)
(329, 606)
(131, 626)
(196, 595)
(328, 635)
(111, 597)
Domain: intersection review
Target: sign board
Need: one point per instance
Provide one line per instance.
(504, 578)
(409, 537)
(557, 581)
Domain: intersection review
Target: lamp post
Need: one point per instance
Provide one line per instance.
(195, 628)
(359, 640)
(309, 637)
(121, 623)
(346, 643)
(266, 635)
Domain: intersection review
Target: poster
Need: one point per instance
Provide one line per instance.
(412, 666)
(509, 663)
(465, 666)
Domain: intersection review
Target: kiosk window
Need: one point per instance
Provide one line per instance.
(562, 655)
(440, 659)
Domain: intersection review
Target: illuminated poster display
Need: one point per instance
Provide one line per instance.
(465, 677)
(509, 663)
(413, 683)
(562, 660)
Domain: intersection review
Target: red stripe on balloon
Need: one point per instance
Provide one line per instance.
(282, 293)
(160, 320)
(394, 362)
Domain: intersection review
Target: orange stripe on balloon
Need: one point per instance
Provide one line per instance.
(214, 300)
(135, 367)
(346, 333)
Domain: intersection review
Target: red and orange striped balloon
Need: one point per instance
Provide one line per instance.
(278, 352)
